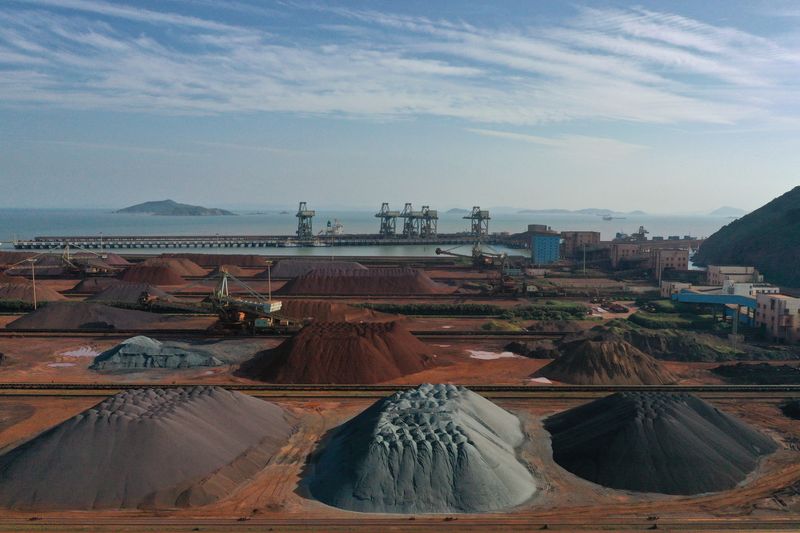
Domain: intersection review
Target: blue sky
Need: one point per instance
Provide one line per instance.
(662, 106)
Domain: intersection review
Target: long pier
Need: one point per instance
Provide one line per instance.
(250, 241)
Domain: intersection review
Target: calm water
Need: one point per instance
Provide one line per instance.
(29, 223)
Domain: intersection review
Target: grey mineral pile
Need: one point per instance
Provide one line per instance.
(291, 268)
(85, 315)
(143, 352)
(671, 443)
(146, 448)
(605, 361)
(433, 449)
(126, 293)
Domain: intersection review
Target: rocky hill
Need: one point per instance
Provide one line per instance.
(768, 238)
(172, 208)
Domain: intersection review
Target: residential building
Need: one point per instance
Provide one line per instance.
(545, 246)
(576, 241)
(718, 274)
(779, 317)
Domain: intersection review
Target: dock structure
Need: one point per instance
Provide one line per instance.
(305, 217)
(111, 242)
(422, 223)
(479, 221)
(388, 220)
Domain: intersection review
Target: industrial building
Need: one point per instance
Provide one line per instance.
(778, 316)
(545, 245)
(719, 274)
(668, 258)
(575, 242)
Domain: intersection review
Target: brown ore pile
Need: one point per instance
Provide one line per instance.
(156, 448)
(83, 315)
(184, 267)
(23, 292)
(376, 281)
(153, 274)
(605, 361)
(233, 270)
(330, 312)
(291, 268)
(215, 260)
(341, 352)
(671, 443)
(94, 285)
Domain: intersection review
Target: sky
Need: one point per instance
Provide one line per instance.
(668, 107)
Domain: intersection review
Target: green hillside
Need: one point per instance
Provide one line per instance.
(768, 238)
(172, 208)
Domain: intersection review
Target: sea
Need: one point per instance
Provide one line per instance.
(22, 223)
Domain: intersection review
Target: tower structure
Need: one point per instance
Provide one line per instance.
(428, 221)
(479, 221)
(388, 220)
(304, 222)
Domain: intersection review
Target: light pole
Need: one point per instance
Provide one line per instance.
(32, 261)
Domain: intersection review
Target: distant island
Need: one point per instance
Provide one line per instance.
(172, 208)
(728, 211)
(457, 211)
(588, 211)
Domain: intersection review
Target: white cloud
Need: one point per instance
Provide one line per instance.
(629, 65)
(578, 145)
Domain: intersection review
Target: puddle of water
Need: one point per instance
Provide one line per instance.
(83, 351)
(478, 354)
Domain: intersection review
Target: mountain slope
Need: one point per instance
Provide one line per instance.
(768, 238)
(173, 208)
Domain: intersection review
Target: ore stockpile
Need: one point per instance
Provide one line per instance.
(605, 361)
(84, 315)
(341, 352)
(375, 281)
(291, 268)
(433, 449)
(146, 448)
(671, 443)
(142, 352)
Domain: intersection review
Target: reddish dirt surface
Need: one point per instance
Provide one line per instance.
(342, 352)
(325, 311)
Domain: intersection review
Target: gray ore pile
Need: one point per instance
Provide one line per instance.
(433, 449)
(146, 448)
(143, 352)
(672, 443)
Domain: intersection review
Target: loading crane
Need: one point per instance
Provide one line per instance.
(480, 258)
(253, 313)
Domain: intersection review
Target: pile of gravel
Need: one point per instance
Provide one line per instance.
(143, 352)
(759, 373)
(792, 409)
(126, 293)
(342, 352)
(656, 442)
(605, 361)
(84, 315)
(157, 448)
(433, 449)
